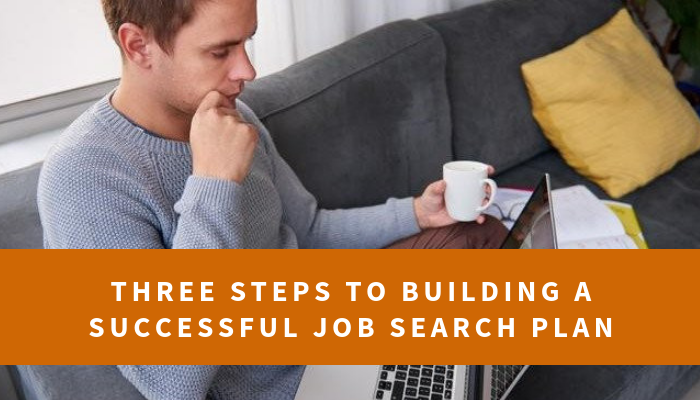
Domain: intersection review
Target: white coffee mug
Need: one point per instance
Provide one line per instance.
(466, 191)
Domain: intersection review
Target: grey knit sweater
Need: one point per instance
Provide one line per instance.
(214, 382)
(109, 184)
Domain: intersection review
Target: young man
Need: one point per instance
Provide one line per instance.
(172, 159)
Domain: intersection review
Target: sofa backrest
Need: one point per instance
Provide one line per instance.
(486, 45)
(364, 121)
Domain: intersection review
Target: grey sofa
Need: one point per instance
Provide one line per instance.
(378, 116)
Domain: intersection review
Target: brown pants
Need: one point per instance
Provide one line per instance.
(470, 235)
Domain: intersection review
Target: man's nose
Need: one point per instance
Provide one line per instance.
(242, 69)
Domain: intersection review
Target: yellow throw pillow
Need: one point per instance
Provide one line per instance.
(611, 109)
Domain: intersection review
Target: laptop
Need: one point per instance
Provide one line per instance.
(535, 227)
(409, 382)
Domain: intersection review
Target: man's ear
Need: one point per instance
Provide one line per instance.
(137, 44)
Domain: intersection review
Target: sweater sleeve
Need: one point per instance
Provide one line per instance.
(211, 214)
(93, 198)
(363, 228)
(171, 382)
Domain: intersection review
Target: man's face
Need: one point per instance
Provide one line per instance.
(208, 54)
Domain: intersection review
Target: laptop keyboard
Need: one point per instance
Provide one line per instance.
(415, 382)
(502, 376)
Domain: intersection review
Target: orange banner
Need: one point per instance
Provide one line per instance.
(269, 307)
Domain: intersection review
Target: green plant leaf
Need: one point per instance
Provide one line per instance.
(685, 13)
(690, 45)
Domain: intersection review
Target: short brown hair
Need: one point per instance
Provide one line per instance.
(162, 18)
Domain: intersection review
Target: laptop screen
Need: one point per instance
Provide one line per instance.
(535, 227)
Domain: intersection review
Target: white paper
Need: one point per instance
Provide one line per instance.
(582, 220)
(616, 242)
(580, 216)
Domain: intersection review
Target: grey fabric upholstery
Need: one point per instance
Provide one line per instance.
(364, 121)
(606, 382)
(19, 216)
(486, 44)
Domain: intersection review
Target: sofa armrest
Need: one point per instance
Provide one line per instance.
(629, 382)
(8, 387)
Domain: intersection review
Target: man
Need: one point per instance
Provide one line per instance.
(172, 159)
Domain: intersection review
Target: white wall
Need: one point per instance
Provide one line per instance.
(48, 46)
(291, 30)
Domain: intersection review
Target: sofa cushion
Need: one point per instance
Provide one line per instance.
(667, 208)
(606, 382)
(486, 45)
(19, 217)
(364, 121)
(611, 108)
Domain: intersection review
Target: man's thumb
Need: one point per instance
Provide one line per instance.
(438, 188)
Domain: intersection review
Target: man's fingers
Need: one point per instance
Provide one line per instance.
(232, 112)
(214, 99)
(491, 170)
(480, 219)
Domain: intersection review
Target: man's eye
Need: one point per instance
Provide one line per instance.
(220, 54)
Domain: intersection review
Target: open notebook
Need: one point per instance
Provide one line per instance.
(582, 220)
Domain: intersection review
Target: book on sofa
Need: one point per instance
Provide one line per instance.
(625, 213)
(583, 221)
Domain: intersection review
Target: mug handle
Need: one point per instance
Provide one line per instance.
(494, 190)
